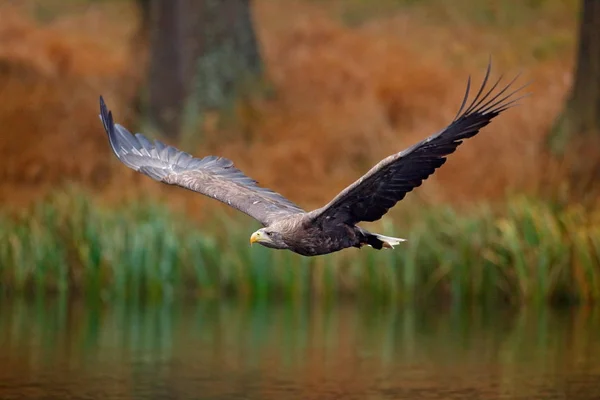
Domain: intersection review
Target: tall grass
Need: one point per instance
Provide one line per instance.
(528, 252)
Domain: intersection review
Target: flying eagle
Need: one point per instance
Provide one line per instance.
(330, 228)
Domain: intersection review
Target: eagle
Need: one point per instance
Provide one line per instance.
(332, 227)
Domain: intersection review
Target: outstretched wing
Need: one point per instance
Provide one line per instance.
(212, 176)
(371, 196)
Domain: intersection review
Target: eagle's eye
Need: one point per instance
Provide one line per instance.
(268, 233)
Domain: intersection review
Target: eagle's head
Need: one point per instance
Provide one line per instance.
(269, 237)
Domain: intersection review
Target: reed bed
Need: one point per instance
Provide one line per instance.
(527, 251)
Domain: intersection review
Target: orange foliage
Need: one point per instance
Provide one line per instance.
(345, 98)
(50, 79)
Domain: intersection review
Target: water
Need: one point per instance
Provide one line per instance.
(218, 350)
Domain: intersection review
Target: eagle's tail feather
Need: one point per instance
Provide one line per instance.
(388, 242)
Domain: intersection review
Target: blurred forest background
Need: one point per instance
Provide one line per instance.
(304, 96)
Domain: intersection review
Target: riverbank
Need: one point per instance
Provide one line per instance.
(523, 251)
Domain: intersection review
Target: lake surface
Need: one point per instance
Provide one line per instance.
(225, 350)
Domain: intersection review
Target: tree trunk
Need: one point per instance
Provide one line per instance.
(576, 134)
(203, 54)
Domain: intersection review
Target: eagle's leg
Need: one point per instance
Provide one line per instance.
(369, 240)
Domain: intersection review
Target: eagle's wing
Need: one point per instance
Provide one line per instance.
(371, 196)
(212, 176)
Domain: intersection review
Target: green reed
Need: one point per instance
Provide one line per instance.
(525, 251)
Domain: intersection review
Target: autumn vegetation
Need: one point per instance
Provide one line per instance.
(348, 83)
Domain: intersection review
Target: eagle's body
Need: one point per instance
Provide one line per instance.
(299, 234)
(332, 227)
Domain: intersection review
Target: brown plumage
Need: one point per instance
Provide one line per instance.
(332, 227)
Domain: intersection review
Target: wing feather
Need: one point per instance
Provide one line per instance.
(212, 176)
(371, 196)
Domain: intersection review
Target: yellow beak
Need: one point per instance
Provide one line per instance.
(254, 238)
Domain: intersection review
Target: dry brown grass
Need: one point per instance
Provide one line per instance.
(50, 78)
(345, 98)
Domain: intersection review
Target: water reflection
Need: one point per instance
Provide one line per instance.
(220, 350)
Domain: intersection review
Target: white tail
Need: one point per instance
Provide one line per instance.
(389, 242)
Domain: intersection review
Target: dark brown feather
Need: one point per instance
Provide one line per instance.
(371, 196)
